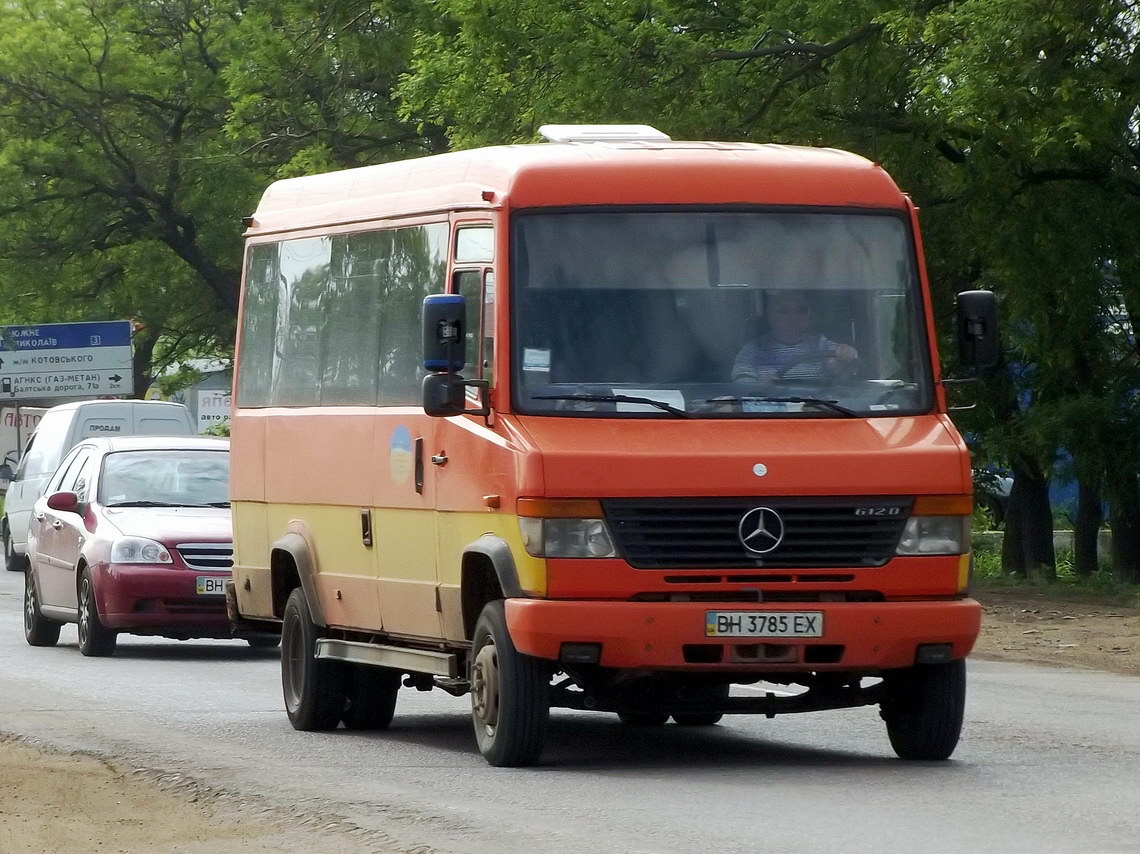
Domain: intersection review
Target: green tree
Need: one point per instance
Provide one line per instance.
(1012, 122)
(118, 185)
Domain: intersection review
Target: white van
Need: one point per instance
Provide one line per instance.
(59, 430)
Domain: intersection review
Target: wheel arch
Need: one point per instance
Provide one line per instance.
(488, 573)
(291, 564)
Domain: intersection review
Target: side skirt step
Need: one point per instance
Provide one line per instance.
(396, 657)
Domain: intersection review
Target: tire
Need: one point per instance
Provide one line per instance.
(12, 561)
(95, 639)
(643, 718)
(510, 694)
(716, 694)
(264, 643)
(38, 629)
(923, 709)
(704, 719)
(371, 697)
(313, 688)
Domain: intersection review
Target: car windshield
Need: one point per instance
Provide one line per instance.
(165, 478)
(674, 314)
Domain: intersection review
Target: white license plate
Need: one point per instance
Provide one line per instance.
(211, 585)
(764, 624)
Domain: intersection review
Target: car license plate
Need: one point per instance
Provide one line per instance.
(212, 585)
(764, 624)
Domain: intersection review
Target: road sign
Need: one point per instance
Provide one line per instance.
(66, 360)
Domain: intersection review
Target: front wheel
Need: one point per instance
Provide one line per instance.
(923, 709)
(510, 697)
(13, 561)
(95, 639)
(314, 688)
(38, 629)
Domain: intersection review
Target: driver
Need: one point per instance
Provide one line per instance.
(790, 349)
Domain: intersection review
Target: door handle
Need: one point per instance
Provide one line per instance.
(439, 459)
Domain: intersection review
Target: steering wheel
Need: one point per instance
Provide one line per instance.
(846, 370)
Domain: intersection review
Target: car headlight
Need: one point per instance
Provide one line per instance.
(564, 527)
(935, 535)
(138, 550)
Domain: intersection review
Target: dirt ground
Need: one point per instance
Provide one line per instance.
(55, 802)
(1062, 629)
(52, 802)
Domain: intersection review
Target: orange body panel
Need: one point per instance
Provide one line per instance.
(652, 634)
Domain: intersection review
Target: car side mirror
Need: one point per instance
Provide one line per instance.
(64, 502)
(979, 346)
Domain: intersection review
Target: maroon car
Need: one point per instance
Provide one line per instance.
(133, 535)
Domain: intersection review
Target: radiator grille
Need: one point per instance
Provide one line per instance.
(212, 556)
(704, 533)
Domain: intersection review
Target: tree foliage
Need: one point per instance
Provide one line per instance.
(134, 135)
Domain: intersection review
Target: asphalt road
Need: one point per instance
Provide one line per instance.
(1050, 761)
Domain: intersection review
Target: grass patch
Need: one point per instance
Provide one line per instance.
(988, 574)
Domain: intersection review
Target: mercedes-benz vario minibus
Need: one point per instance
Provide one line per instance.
(607, 422)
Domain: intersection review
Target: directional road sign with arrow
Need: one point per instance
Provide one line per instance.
(65, 360)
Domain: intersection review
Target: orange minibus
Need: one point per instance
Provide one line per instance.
(607, 422)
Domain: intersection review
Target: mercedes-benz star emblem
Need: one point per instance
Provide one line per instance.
(761, 530)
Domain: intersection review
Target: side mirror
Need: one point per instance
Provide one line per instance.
(977, 324)
(444, 395)
(444, 334)
(64, 502)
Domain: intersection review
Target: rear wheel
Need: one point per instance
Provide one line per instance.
(643, 718)
(510, 697)
(314, 689)
(715, 695)
(38, 629)
(923, 709)
(703, 719)
(370, 697)
(95, 639)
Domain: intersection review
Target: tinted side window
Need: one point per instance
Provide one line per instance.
(65, 467)
(336, 320)
(259, 325)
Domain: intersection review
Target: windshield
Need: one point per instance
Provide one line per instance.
(174, 478)
(717, 314)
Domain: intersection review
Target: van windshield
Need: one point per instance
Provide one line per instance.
(696, 313)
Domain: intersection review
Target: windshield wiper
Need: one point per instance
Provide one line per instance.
(833, 405)
(144, 504)
(616, 398)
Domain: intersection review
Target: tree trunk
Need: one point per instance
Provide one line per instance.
(1027, 548)
(1086, 528)
(143, 342)
(1124, 518)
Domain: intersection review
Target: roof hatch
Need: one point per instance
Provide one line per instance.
(602, 133)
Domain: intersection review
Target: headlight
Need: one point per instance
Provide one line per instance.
(935, 535)
(566, 537)
(138, 550)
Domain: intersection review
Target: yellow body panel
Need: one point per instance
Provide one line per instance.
(392, 585)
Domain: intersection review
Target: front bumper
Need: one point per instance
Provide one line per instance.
(858, 636)
(141, 596)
